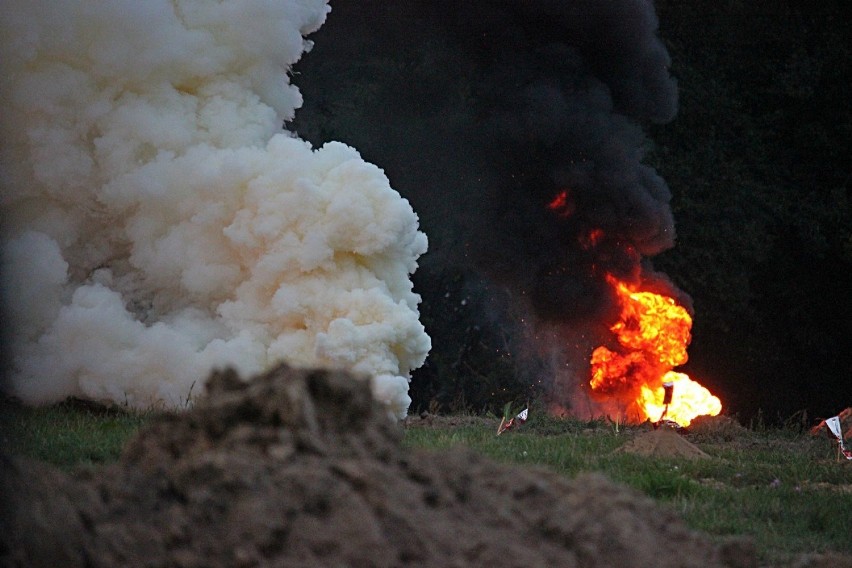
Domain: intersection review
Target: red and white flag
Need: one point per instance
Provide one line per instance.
(834, 425)
(516, 421)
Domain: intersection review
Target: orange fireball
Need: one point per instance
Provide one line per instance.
(690, 399)
(653, 332)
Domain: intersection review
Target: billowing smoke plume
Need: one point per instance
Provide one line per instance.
(158, 222)
(516, 129)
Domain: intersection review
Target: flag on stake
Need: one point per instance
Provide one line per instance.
(833, 424)
(516, 421)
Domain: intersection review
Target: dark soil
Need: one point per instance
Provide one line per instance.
(664, 442)
(303, 468)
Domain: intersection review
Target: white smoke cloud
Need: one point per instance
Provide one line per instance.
(157, 222)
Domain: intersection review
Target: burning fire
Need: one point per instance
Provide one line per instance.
(653, 331)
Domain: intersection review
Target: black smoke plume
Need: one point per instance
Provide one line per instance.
(515, 128)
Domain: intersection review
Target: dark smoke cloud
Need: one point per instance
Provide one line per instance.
(483, 112)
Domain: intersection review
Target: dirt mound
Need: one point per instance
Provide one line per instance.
(717, 429)
(303, 468)
(664, 442)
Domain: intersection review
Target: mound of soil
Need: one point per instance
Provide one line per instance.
(665, 443)
(303, 468)
(717, 429)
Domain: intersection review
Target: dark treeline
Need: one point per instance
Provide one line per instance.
(756, 159)
(758, 162)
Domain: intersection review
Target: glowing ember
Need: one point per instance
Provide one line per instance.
(563, 204)
(591, 239)
(653, 331)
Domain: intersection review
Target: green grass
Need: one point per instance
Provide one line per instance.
(782, 487)
(69, 434)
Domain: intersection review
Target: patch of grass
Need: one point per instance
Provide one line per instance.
(68, 434)
(784, 521)
(783, 488)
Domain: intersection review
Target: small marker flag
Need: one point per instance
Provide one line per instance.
(833, 424)
(516, 421)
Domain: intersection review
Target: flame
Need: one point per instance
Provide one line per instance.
(653, 331)
(690, 399)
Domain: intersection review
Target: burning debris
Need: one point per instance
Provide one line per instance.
(668, 388)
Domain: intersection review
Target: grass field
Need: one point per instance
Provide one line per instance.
(67, 434)
(783, 487)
